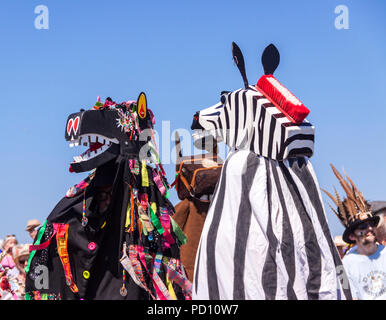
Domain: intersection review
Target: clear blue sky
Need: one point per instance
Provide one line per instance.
(179, 53)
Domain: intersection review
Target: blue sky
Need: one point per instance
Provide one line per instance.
(179, 53)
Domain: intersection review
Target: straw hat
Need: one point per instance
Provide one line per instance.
(23, 252)
(338, 240)
(31, 224)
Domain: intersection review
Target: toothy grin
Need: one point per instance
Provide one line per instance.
(97, 145)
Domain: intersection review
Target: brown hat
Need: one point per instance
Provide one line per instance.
(31, 224)
(354, 209)
(378, 206)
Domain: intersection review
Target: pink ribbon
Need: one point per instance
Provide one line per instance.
(43, 245)
(165, 222)
(157, 180)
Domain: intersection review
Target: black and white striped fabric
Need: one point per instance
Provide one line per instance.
(266, 235)
(245, 119)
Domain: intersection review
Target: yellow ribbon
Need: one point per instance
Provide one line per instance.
(145, 178)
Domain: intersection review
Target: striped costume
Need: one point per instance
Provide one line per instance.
(266, 235)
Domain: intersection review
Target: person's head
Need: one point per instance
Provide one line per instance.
(363, 236)
(21, 256)
(379, 209)
(103, 197)
(32, 227)
(340, 245)
(103, 184)
(356, 215)
(380, 230)
(9, 242)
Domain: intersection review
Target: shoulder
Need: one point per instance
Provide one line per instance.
(382, 250)
(350, 258)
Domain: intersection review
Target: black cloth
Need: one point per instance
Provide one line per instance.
(102, 263)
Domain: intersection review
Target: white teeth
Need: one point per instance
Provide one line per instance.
(88, 141)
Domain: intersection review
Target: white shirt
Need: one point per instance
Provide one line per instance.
(367, 274)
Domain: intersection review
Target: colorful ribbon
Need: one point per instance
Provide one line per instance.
(61, 241)
(157, 180)
(37, 242)
(156, 223)
(179, 233)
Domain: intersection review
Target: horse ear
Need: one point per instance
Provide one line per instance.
(270, 59)
(142, 105)
(239, 60)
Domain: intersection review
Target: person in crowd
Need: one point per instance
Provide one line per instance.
(8, 270)
(32, 227)
(341, 246)
(379, 209)
(365, 263)
(9, 242)
(21, 261)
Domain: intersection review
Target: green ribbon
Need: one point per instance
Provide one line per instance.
(39, 238)
(155, 221)
(167, 194)
(144, 229)
(179, 233)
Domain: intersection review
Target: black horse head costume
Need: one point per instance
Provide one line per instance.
(115, 237)
(265, 234)
(105, 130)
